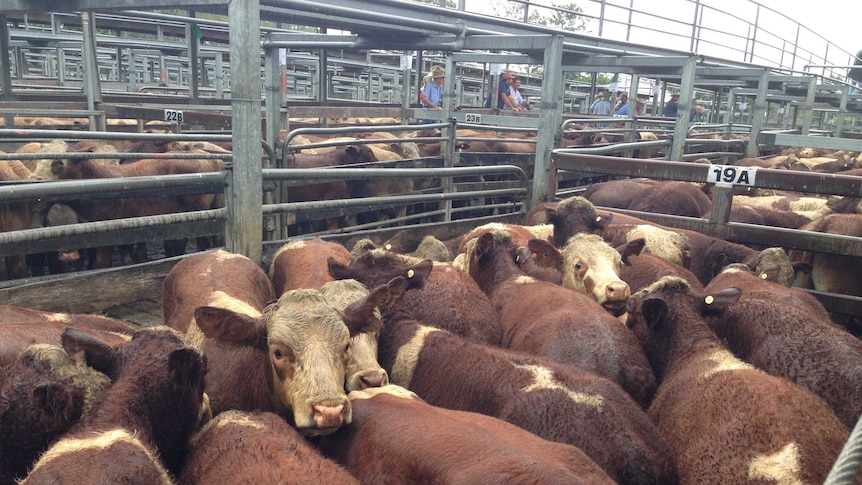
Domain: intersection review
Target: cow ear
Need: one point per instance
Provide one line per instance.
(97, 354)
(397, 286)
(363, 315)
(338, 270)
(351, 150)
(654, 311)
(418, 273)
(631, 248)
(186, 367)
(55, 400)
(484, 245)
(720, 301)
(522, 255)
(545, 254)
(228, 325)
(603, 220)
(801, 267)
(552, 215)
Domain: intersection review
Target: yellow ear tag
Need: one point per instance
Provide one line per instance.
(388, 247)
(598, 218)
(763, 276)
(709, 299)
(410, 273)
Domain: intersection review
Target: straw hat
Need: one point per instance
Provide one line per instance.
(437, 71)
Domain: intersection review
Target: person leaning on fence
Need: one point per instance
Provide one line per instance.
(601, 106)
(671, 109)
(432, 94)
(504, 100)
(624, 99)
(517, 98)
(626, 109)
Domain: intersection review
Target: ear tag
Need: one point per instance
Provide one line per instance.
(709, 299)
(598, 218)
(410, 273)
(388, 247)
(763, 276)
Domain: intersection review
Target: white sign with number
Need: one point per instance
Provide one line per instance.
(472, 118)
(729, 174)
(174, 115)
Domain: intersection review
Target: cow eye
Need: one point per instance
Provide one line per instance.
(278, 354)
(578, 265)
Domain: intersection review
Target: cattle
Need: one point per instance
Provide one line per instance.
(362, 370)
(256, 447)
(787, 333)
(139, 207)
(662, 242)
(643, 269)
(428, 248)
(573, 215)
(436, 445)
(447, 298)
(292, 352)
(556, 402)
(140, 429)
(291, 360)
(44, 392)
(810, 207)
(303, 264)
(217, 279)
(662, 197)
(833, 273)
(617, 194)
(726, 421)
(558, 323)
(333, 189)
(15, 337)
(14, 216)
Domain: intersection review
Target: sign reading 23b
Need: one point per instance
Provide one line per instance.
(729, 174)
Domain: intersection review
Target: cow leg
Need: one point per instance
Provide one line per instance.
(102, 257)
(175, 247)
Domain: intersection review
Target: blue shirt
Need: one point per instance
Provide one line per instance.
(434, 93)
(671, 109)
(624, 111)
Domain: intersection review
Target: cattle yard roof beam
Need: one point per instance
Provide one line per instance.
(90, 5)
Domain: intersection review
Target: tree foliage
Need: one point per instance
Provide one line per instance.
(565, 16)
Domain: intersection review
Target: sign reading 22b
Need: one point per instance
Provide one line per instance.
(729, 174)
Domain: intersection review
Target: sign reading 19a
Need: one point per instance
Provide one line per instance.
(729, 174)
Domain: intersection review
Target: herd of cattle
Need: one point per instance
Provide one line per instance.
(584, 346)
(592, 348)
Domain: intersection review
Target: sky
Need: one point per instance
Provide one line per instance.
(725, 23)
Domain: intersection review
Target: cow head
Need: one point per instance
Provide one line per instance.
(574, 215)
(591, 266)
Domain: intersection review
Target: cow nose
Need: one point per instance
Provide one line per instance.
(328, 415)
(618, 291)
(374, 379)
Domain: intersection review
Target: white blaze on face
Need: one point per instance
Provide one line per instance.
(780, 467)
(408, 357)
(591, 266)
(543, 378)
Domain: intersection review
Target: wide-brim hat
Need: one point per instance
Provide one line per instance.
(674, 95)
(641, 100)
(437, 71)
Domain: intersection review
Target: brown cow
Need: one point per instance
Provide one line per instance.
(558, 323)
(139, 431)
(303, 264)
(834, 273)
(726, 421)
(15, 337)
(256, 448)
(787, 333)
(556, 402)
(435, 445)
(573, 215)
(467, 311)
(139, 207)
(43, 394)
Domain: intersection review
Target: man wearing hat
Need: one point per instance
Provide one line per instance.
(639, 108)
(504, 99)
(432, 94)
(672, 107)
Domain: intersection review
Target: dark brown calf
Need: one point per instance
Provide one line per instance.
(787, 333)
(256, 448)
(726, 421)
(44, 392)
(449, 299)
(556, 402)
(435, 445)
(139, 431)
(558, 323)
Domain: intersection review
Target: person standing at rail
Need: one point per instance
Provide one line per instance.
(671, 109)
(432, 93)
(504, 99)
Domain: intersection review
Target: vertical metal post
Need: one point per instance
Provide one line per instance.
(193, 46)
(842, 112)
(686, 93)
(274, 124)
(731, 106)
(808, 110)
(550, 113)
(757, 112)
(244, 227)
(91, 74)
(219, 75)
(754, 36)
(6, 65)
(694, 24)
